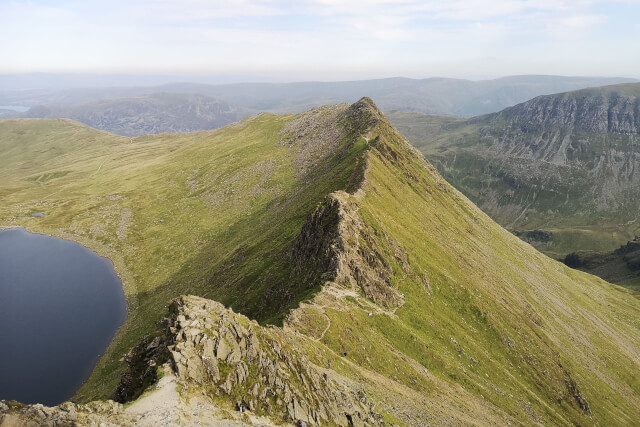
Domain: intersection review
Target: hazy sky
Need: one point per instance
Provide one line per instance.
(323, 39)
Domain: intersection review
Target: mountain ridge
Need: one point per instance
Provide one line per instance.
(437, 313)
(609, 109)
(154, 113)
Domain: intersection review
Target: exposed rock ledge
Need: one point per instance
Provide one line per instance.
(222, 362)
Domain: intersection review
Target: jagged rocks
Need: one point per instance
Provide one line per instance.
(229, 358)
(335, 245)
(143, 362)
(315, 251)
(575, 393)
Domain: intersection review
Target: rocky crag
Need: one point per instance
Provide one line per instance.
(595, 111)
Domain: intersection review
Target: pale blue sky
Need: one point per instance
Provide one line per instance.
(323, 39)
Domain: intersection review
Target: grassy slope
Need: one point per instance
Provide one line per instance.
(484, 310)
(500, 328)
(209, 213)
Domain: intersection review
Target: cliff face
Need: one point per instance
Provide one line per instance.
(592, 129)
(588, 110)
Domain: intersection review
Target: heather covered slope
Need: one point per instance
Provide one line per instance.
(388, 277)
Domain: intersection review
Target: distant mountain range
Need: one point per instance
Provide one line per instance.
(562, 171)
(444, 96)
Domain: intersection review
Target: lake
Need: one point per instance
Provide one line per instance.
(60, 306)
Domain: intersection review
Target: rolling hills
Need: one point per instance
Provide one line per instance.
(457, 97)
(379, 274)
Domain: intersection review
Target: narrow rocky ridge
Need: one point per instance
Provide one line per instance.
(335, 245)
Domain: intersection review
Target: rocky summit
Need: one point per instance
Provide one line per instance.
(374, 292)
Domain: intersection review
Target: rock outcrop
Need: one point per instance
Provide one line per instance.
(335, 245)
(229, 361)
(227, 357)
(14, 414)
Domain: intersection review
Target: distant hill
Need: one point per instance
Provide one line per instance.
(155, 113)
(566, 164)
(444, 96)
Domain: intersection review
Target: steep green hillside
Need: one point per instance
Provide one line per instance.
(399, 285)
(566, 164)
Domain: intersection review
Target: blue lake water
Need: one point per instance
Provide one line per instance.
(60, 306)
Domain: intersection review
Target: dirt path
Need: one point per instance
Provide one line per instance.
(163, 406)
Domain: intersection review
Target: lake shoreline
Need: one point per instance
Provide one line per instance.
(116, 260)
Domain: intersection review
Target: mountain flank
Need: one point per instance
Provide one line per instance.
(565, 165)
(357, 260)
(601, 110)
